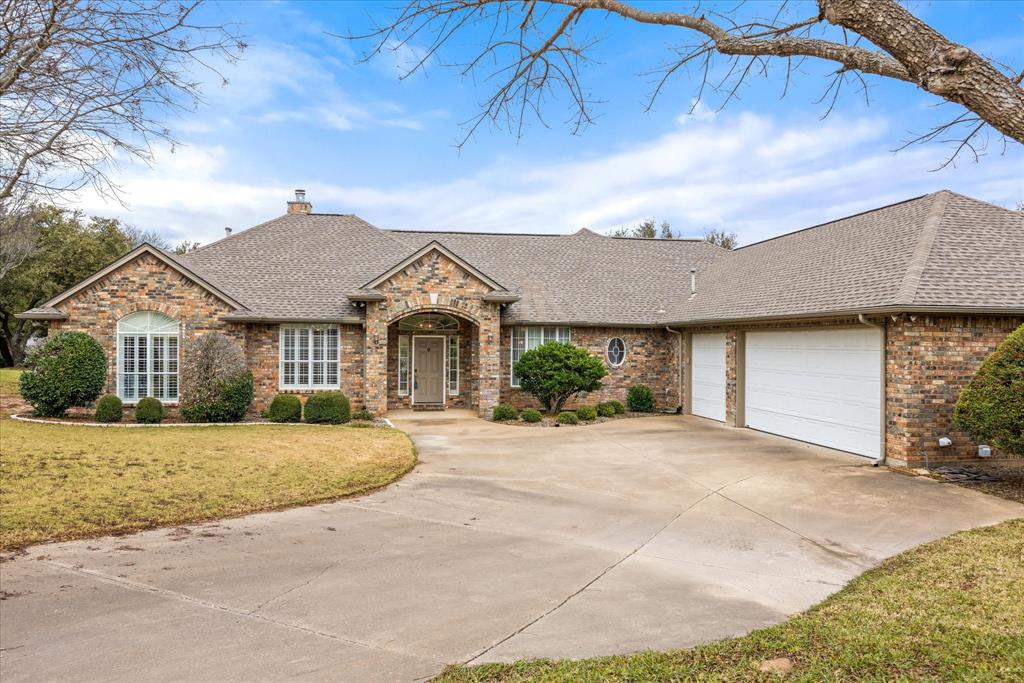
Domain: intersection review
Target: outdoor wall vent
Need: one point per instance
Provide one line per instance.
(984, 451)
(945, 441)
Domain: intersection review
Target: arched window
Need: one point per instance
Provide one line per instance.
(147, 357)
(616, 352)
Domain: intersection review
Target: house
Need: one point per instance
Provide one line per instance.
(856, 334)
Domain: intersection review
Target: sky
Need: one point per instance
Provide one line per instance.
(301, 109)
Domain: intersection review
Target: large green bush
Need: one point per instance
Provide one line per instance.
(109, 409)
(69, 369)
(991, 407)
(567, 417)
(586, 413)
(531, 415)
(216, 384)
(503, 413)
(149, 411)
(555, 372)
(329, 407)
(285, 408)
(640, 399)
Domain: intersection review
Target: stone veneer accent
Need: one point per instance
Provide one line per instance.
(652, 358)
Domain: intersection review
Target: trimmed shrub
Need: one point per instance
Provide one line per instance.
(504, 412)
(149, 411)
(617, 407)
(531, 415)
(991, 407)
(586, 413)
(362, 414)
(640, 399)
(567, 417)
(109, 409)
(69, 369)
(216, 384)
(285, 408)
(555, 372)
(605, 409)
(329, 407)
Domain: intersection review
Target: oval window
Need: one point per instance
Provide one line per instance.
(616, 352)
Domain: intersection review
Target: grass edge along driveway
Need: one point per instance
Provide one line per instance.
(948, 610)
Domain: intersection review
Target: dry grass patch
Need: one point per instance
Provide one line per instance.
(60, 482)
(951, 610)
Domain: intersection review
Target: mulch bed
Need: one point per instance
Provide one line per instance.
(549, 421)
(1003, 478)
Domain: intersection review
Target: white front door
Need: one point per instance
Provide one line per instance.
(427, 369)
(707, 377)
(821, 386)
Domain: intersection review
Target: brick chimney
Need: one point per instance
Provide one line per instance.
(300, 205)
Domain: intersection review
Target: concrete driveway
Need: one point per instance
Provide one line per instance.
(505, 542)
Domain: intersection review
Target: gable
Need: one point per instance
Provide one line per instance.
(435, 264)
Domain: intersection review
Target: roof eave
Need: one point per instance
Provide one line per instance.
(36, 314)
(851, 312)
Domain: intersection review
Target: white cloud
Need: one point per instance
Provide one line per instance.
(745, 172)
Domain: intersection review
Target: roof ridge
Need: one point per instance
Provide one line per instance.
(923, 249)
(472, 232)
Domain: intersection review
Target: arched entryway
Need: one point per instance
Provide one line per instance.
(432, 361)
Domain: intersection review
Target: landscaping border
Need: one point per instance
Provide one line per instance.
(384, 422)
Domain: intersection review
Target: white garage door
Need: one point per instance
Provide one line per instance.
(822, 386)
(707, 398)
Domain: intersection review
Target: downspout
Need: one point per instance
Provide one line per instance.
(862, 319)
(679, 366)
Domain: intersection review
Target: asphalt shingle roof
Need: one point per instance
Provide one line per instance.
(939, 250)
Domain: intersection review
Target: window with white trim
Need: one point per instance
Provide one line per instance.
(616, 352)
(147, 357)
(528, 338)
(403, 365)
(453, 365)
(309, 357)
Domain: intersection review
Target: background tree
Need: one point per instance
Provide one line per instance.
(722, 238)
(84, 83)
(68, 249)
(647, 229)
(535, 49)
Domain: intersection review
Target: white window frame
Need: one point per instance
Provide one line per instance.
(309, 361)
(156, 329)
(608, 352)
(528, 338)
(452, 364)
(404, 364)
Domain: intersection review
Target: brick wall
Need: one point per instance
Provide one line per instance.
(651, 359)
(468, 342)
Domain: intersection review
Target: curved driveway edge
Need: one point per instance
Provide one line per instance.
(503, 543)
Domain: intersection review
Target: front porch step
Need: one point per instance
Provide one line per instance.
(428, 406)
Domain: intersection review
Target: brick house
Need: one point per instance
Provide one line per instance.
(856, 334)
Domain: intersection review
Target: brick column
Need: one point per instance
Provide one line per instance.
(489, 360)
(376, 359)
(734, 352)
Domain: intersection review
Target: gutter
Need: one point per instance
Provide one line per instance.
(862, 319)
(1010, 312)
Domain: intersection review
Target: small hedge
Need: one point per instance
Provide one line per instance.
(586, 413)
(605, 409)
(991, 408)
(504, 412)
(285, 408)
(329, 407)
(363, 414)
(617, 407)
(69, 369)
(149, 411)
(109, 409)
(567, 417)
(531, 415)
(640, 399)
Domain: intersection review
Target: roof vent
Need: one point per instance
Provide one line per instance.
(693, 281)
(300, 205)
(227, 231)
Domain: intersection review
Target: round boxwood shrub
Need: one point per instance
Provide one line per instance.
(329, 407)
(216, 384)
(640, 399)
(555, 372)
(285, 408)
(617, 407)
(567, 417)
(586, 413)
(504, 412)
(69, 369)
(991, 407)
(149, 411)
(531, 415)
(109, 409)
(605, 409)
(362, 414)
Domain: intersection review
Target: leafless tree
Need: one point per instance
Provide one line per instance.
(534, 49)
(722, 238)
(18, 235)
(138, 236)
(85, 84)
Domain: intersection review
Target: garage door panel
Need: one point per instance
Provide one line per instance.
(707, 396)
(822, 386)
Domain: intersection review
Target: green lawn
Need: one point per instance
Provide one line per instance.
(951, 610)
(62, 482)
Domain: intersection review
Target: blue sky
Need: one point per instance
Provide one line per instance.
(300, 110)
